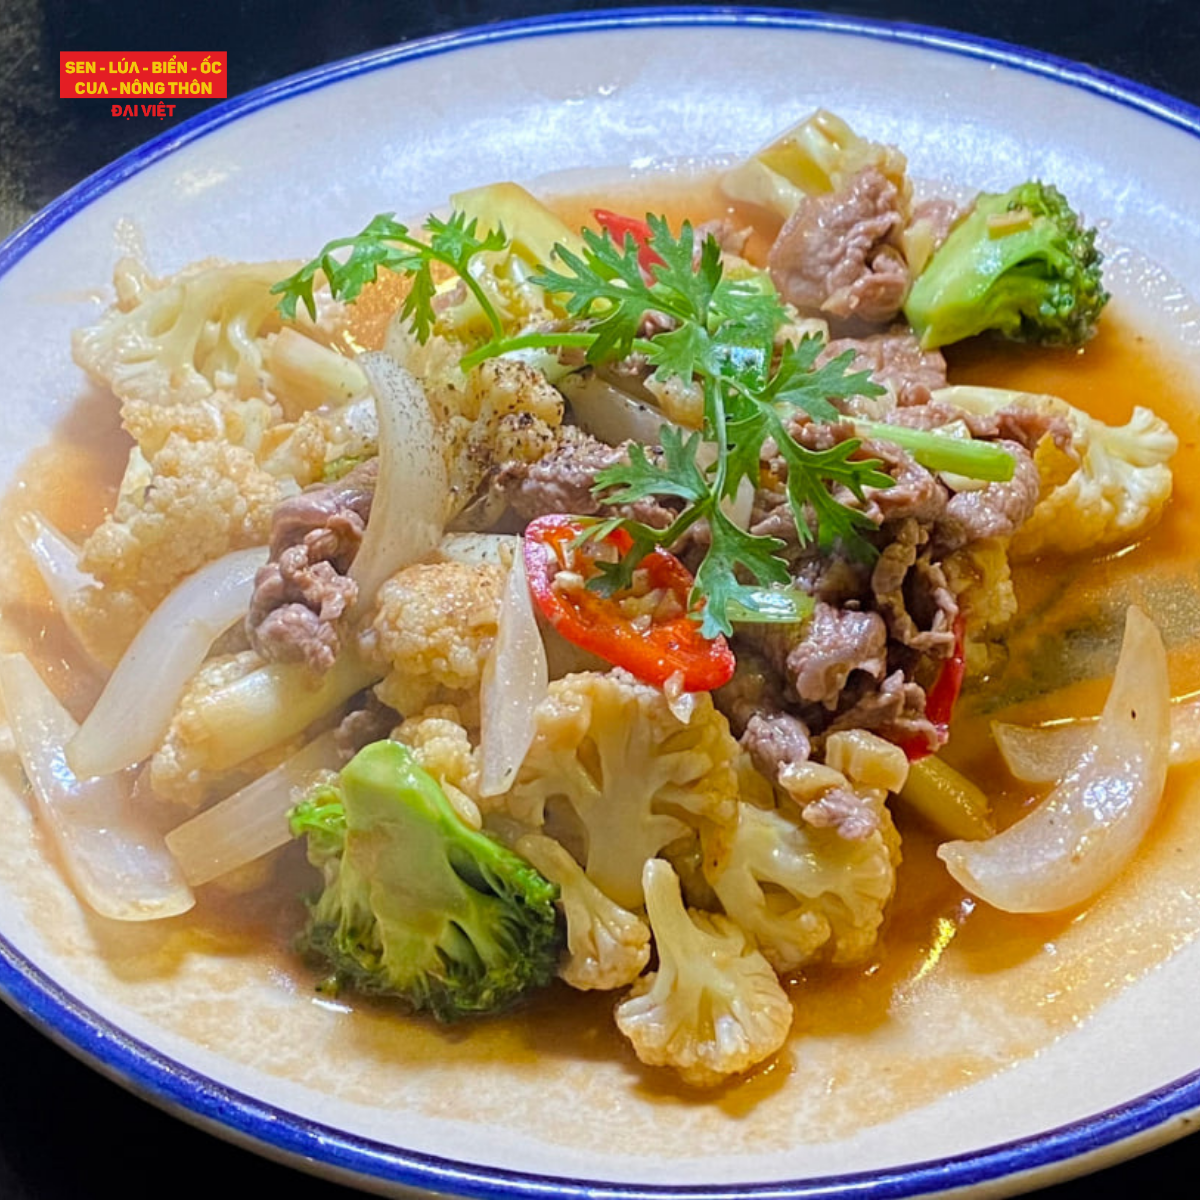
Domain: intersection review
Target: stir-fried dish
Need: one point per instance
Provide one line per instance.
(592, 629)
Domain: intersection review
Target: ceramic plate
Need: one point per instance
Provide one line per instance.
(1027, 1081)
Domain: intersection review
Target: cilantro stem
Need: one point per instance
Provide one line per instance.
(942, 452)
(477, 290)
(538, 341)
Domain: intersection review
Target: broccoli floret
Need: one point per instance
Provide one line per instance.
(416, 905)
(1020, 264)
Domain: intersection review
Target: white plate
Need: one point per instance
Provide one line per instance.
(231, 1044)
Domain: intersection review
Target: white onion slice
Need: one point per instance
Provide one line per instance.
(56, 558)
(515, 680)
(253, 821)
(1044, 754)
(412, 495)
(1081, 836)
(132, 714)
(608, 413)
(115, 860)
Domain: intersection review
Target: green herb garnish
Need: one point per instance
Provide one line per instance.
(722, 336)
(385, 242)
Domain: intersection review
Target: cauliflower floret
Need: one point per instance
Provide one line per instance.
(1117, 491)
(212, 326)
(194, 503)
(506, 411)
(804, 890)
(442, 746)
(623, 773)
(714, 1007)
(608, 946)
(433, 627)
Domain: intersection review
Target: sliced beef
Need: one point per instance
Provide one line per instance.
(845, 810)
(339, 508)
(836, 643)
(915, 493)
(996, 510)
(932, 220)
(896, 361)
(369, 721)
(837, 254)
(902, 581)
(564, 481)
(1025, 426)
(775, 740)
(895, 709)
(304, 589)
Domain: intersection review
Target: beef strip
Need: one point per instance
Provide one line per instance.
(996, 510)
(775, 740)
(896, 361)
(937, 216)
(895, 708)
(837, 253)
(899, 566)
(303, 590)
(754, 704)
(564, 481)
(1025, 426)
(837, 642)
(843, 809)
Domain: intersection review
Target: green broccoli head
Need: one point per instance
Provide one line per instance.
(1021, 264)
(416, 904)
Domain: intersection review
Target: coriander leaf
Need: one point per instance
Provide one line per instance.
(810, 473)
(800, 383)
(604, 285)
(386, 242)
(717, 578)
(454, 241)
(682, 352)
(676, 475)
(683, 283)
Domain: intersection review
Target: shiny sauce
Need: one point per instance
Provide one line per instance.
(955, 991)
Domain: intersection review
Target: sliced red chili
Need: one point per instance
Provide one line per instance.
(656, 644)
(942, 696)
(620, 226)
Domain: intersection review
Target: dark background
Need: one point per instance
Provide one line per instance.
(65, 1132)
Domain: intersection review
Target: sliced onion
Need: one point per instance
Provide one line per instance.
(115, 860)
(253, 821)
(412, 495)
(133, 713)
(610, 414)
(515, 679)
(1044, 753)
(56, 558)
(1080, 837)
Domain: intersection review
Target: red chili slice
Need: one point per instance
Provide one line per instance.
(619, 226)
(655, 651)
(943, 695)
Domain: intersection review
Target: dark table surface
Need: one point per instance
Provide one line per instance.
(66, 1132)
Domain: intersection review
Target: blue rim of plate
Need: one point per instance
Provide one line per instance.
(1150, 1119)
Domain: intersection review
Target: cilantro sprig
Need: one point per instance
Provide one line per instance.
(387, 243)
(720, 334)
